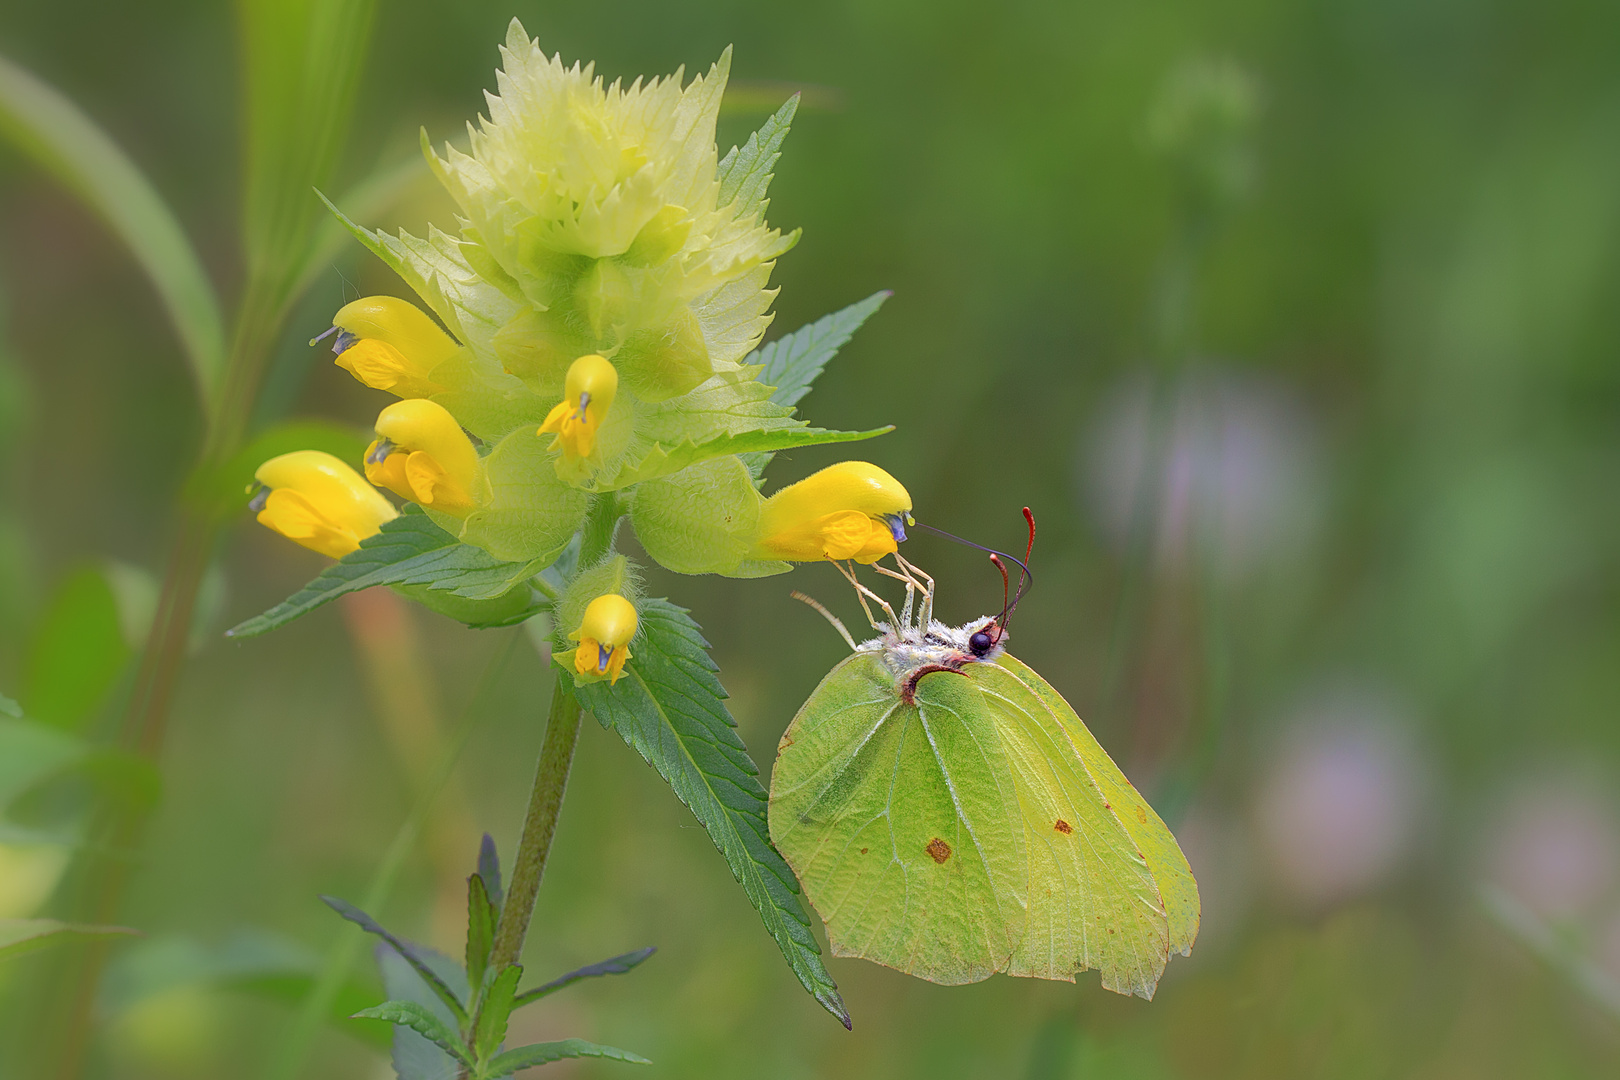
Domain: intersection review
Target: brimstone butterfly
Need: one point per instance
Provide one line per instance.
(950, 816)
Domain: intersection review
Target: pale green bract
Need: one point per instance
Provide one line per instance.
(976, 828)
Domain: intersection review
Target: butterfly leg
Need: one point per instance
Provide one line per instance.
(912, 589)
(862, 592)
(829, 616)
(925, 618)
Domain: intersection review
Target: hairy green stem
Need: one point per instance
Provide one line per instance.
(551, 773)
(539, 825)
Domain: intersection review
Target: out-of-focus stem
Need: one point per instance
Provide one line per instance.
(405, 698)
(312, 1013)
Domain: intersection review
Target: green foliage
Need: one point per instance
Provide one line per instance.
(526, 1057)
(421, 1020)
(489, 1027)
(617, 965)
(77, 652)
(481, 918)
(670, 706)
(745, 172)
(441, 989)
(412, 551)
(64, 141)
(21, 936)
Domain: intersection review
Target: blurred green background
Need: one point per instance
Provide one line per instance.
(1296, 325)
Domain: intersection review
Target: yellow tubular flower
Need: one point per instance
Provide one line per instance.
(421, 454)
(390, 344)
(587, 394)
(318, 501)
(604, 636)
(852, 510)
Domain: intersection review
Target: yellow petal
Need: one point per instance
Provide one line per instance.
(331, 491)
(401, 324)
(431, 486)
(382, 367)
(419, 424)
(295, 517)
(609, 619)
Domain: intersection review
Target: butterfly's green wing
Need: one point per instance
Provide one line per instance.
(968, 834)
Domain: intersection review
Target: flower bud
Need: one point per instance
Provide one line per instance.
(316, 500)
(390, 344)
(604, 636)
(852, 510)
(422, 454)
(587, 395)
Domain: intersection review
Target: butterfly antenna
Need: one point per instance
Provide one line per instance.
(1025, 581)
(1001, 620)
(829, 616)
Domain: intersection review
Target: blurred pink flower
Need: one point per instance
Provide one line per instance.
(1219, 462)
(1555, 847)
(1338, 808)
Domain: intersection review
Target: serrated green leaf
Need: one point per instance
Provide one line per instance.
(526, 1057)
(617, 965)
(64, 141)
(414, 1057)
(669, 706)
(656, 458)
(745, 172)
(791, 363)
(422, 1021)
(495, 1011)
(437, 984)
(481, 916)
(20, 936)
(410, 551)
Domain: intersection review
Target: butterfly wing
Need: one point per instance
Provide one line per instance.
(1147, 830)
(904, 833)
(981, 830)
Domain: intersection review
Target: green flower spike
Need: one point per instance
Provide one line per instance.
(599, 221)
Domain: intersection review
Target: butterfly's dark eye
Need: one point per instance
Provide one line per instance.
(980, 643)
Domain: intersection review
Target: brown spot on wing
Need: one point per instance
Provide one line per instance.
(863, 851)
(938, 850)
(1063, 826)
(1141, 814)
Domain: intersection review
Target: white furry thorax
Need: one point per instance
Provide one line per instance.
(916, 651)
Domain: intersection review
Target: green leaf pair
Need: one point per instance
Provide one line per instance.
(426, 563)
(449, 1020)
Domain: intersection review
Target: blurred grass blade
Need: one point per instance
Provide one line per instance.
(302, 64)
(20, 936)
(63, 140)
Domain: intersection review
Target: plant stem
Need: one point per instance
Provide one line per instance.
(551, 773)
(539, 826)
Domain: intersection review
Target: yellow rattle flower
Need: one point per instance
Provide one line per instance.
(604, 637)
(852, 510)
(588, 392)
(315, 499)
(390, 344)
(421, 454)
